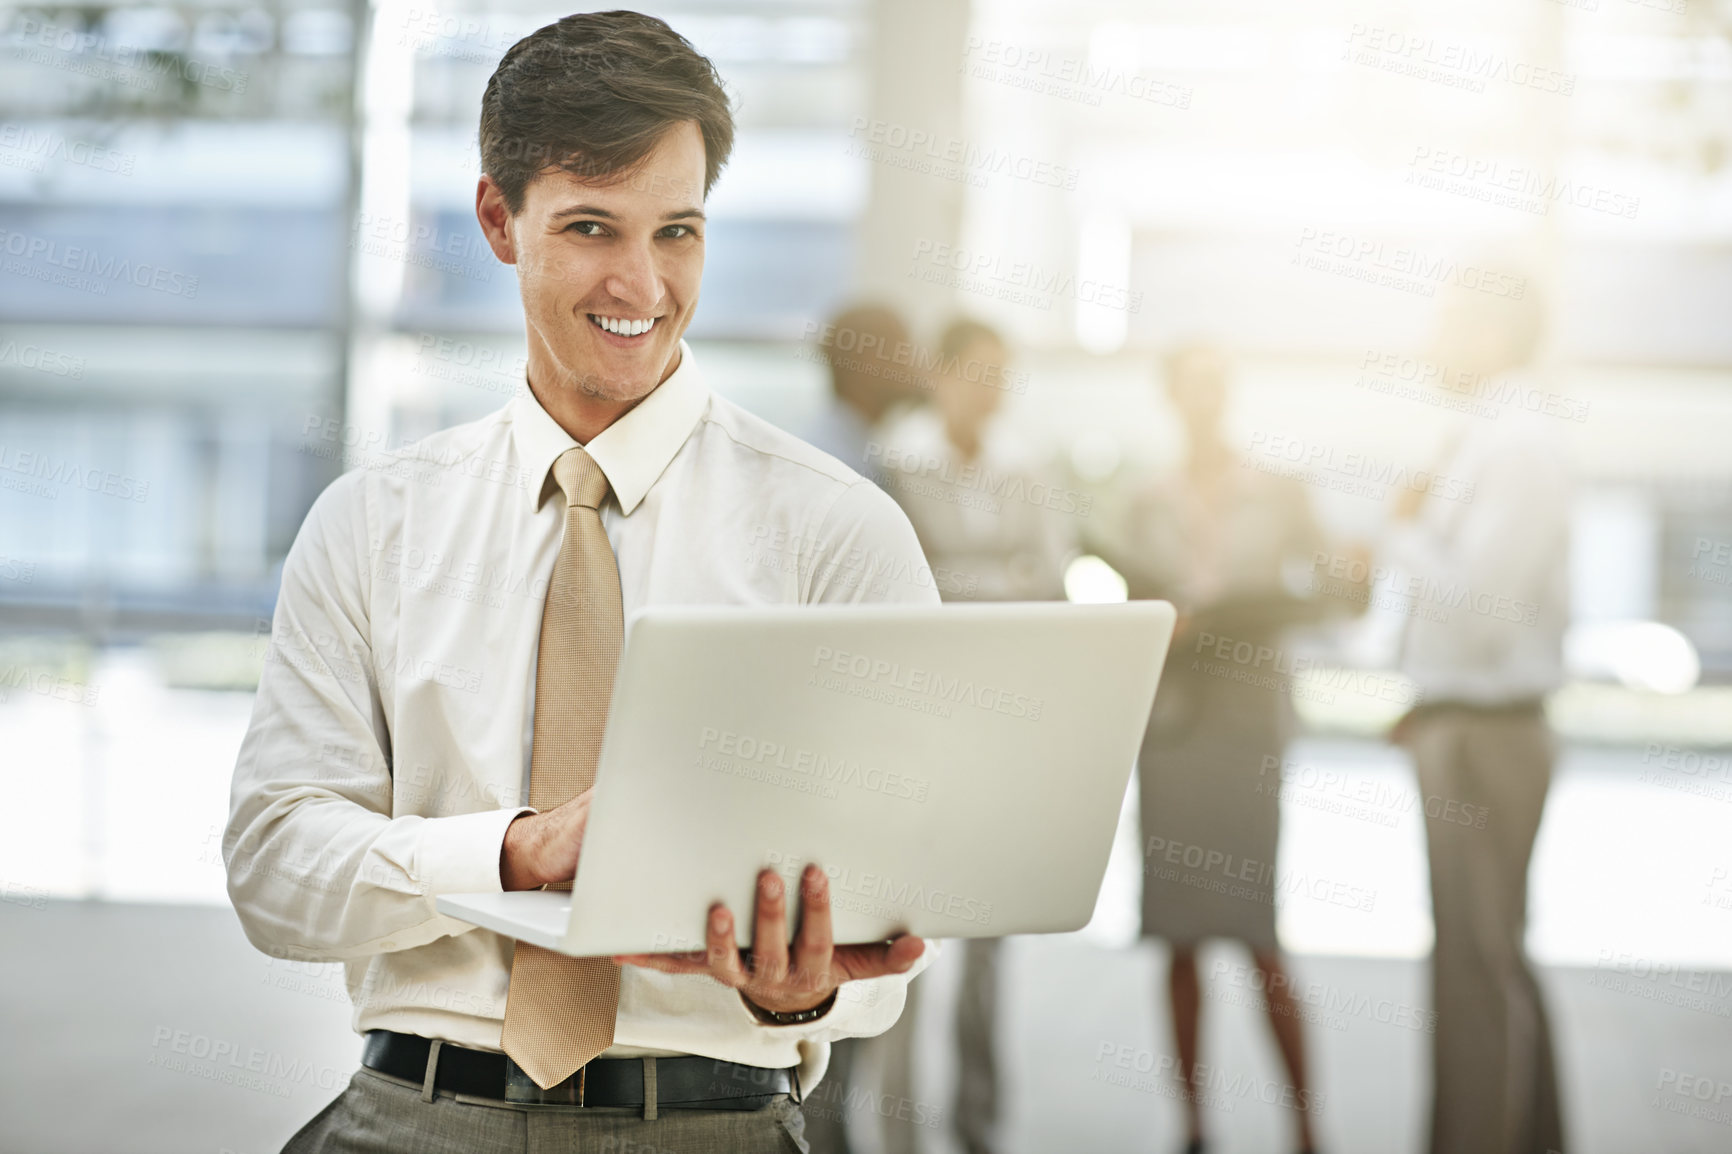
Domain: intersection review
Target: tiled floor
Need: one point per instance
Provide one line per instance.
(133, 1029)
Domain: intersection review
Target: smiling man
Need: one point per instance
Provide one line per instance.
(444, 645)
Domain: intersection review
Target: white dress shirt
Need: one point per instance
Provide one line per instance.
(995, 528)
(389, 746)
(1490, 573)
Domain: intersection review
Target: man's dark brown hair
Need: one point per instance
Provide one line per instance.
(592, 94)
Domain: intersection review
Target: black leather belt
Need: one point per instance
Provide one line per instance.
(689, 1083)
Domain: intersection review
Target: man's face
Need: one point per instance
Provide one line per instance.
(609, 272)
(970, 395)
(1197, 388)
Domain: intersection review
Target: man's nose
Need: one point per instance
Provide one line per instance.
(632, 277)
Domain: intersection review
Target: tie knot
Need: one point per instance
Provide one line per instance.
(582, 480)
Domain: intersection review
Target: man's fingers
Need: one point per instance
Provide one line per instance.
(770, 934)
(852, 963)
(722, 960)
(812, 945)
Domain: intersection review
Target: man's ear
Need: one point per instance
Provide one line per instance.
(495, 218)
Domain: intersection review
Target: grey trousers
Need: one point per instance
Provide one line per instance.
(379, 1114)
(1496, 1084)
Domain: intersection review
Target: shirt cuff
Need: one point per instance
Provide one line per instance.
(460, 855)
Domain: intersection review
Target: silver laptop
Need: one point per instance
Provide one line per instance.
(957, 770)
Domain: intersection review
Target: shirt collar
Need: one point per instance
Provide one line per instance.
(632, 452)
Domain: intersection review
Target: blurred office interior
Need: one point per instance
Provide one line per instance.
(281, 278)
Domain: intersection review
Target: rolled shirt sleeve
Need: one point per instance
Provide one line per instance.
(318, 868)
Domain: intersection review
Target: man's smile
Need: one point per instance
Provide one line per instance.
(625, 329)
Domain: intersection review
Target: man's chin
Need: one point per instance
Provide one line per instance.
(624, 388)
(626, 374)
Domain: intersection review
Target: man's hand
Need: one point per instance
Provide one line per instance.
(541, 848)
(766, 975)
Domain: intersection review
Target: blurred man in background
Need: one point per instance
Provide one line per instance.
(869, 355)
(1487, 534)
(867, 350)
(1216, 539)
(981, 505)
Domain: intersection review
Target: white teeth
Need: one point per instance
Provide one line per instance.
(624, 327)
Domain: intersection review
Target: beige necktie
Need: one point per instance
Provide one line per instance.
(560, 1011)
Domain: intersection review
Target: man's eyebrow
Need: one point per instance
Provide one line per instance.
(604, 214)
(583, 210)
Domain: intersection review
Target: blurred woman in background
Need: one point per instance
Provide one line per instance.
(1218, 539)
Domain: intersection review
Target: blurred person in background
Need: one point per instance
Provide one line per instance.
(1493, 520)
(985, 510)
(862, 346)
(868, 352)
(1219, 541)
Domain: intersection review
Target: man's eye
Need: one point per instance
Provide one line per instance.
(676, 231)
(585, 227)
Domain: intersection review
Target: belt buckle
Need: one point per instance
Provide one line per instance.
(521, 1089)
